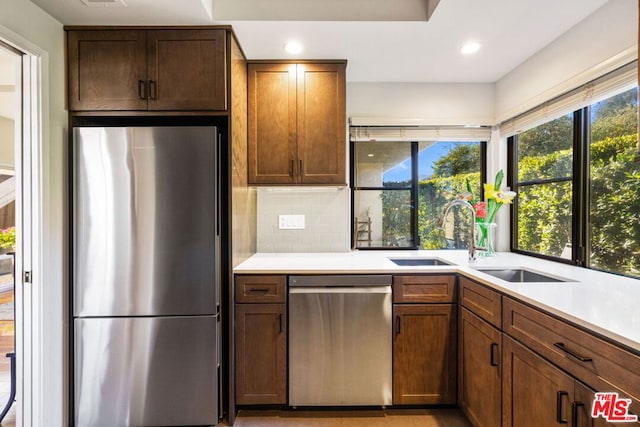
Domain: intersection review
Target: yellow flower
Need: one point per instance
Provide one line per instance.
(489, 192)
(504, 196)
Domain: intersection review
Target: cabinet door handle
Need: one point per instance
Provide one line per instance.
(152, 89)
(291, 169)
(398, 325)
(142, 89)
(559, 407)
(572, 353)
(574, 412)
(300, 170)
(493, 348)
(279, 323)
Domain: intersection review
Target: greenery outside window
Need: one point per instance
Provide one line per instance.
(400, 188)
(578, 184)
(544, 184)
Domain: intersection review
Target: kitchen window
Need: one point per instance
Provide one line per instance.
(544, 159)
(400, 186)
(578, 183)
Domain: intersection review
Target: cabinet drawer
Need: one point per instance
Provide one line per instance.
(260, 289)
(424, 289)
(482, 301)
(590, 359)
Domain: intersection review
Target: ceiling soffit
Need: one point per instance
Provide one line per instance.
(325, 10)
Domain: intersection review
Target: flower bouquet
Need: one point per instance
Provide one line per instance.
(485, 211)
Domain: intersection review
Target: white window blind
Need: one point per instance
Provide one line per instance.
(613, 83)
(419, 133)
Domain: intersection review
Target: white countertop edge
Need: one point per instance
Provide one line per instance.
(604, 303)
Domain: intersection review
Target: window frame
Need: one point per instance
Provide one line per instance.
(576, 196)
(580, 216)
(414, 192)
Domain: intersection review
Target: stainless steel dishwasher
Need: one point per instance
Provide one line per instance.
(340, 340)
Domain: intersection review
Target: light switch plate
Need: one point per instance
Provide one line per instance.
(291, 222)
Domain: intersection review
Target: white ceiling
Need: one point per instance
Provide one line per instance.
(510, 31)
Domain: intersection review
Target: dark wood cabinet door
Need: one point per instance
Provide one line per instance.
(272, 124)
(424, 354)
(261, 354)
(107, 70)
(321, 123)
(187, 69)
(583, 404)
(479, 383)
(534, 392)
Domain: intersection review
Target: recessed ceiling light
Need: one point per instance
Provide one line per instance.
(294, 47)
(470, 48)
(370, 155)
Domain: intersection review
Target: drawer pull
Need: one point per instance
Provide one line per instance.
(142, 91)
(493, 348)
(559, 409)
(258, 290)
(575, 406)
(153, 93)
(572, 353)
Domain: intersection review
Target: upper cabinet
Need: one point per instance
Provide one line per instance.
(157, 70)
(297, 123)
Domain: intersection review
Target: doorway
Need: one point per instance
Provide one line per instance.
(10, 142)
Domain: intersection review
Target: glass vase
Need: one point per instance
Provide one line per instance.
(485, 238)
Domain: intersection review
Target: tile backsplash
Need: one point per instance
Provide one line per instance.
(327, 219)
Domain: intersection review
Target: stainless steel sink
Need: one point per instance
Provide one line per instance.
(419, 261)
(520, 275)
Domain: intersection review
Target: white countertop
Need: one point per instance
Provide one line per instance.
(605, 303)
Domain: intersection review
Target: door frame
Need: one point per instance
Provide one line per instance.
(35, 327)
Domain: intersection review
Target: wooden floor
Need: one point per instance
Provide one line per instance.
(356, 418)
(6, 346)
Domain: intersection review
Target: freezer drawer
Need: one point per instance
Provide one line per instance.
(144, 221)
(340, 345)
(133, 372)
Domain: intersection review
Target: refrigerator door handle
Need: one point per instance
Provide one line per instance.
(218, 164)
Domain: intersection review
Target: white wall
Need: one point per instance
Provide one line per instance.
(603, 41)
(7, 143)
(437, 103)
(21, 20)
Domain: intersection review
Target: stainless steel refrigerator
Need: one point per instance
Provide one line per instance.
(145, 276)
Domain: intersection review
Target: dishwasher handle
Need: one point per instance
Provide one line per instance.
(341, 281)
(342, 290)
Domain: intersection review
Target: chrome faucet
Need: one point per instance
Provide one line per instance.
(443, 219)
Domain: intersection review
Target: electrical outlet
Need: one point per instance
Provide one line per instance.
(291, 222)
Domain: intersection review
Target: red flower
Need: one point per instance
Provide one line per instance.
(481, 209)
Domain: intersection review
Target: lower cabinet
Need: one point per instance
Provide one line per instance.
(479, 386)
(260, 341)
(535, 393)
(424, 354)
(582, 407)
